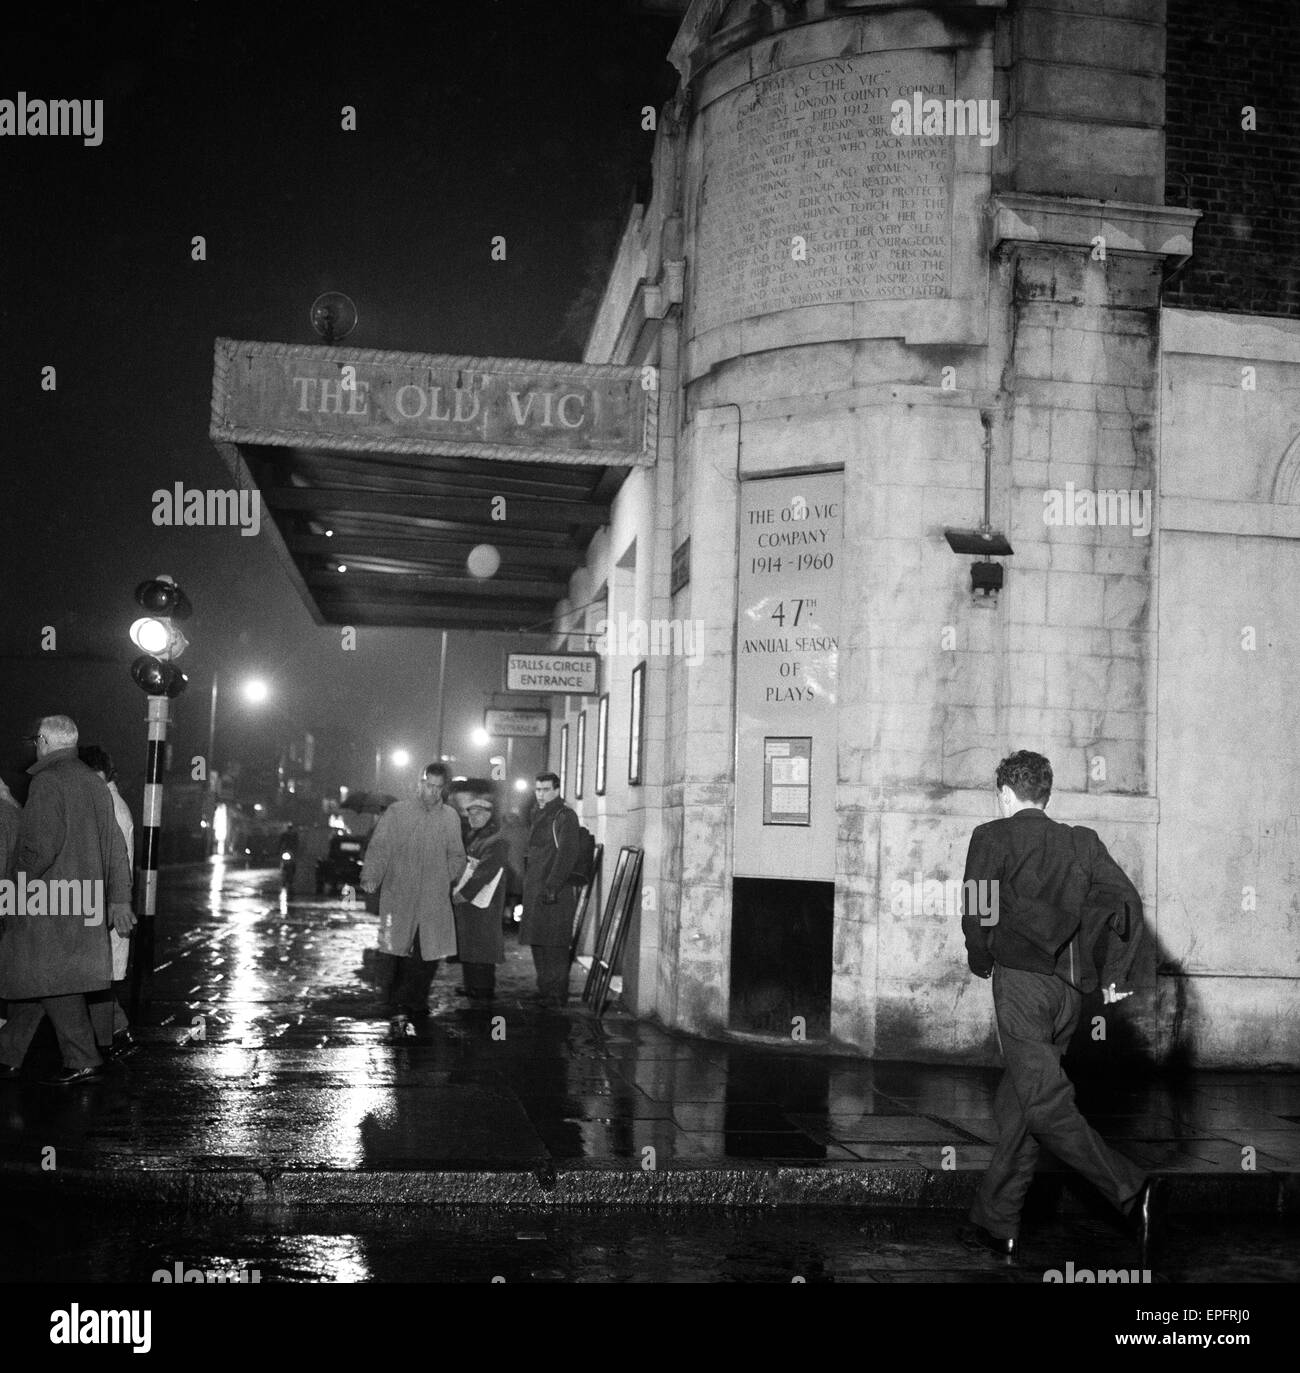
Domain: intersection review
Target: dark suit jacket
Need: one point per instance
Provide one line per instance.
(1064, 906)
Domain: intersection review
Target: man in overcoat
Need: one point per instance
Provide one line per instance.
(550, 900)
(414, 858)
(73, 883)
(1044, 905)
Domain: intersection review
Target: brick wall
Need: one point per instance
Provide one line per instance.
(1220, 56)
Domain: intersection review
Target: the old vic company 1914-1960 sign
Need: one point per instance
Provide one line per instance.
(405, 402)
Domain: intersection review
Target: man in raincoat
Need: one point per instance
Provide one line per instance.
(415, 857)
(75, 882)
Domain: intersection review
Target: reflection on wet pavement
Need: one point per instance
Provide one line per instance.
(478, 1244)
(265, 1047)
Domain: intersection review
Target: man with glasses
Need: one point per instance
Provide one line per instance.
(56, 949)
(549, 898)
(415, 857)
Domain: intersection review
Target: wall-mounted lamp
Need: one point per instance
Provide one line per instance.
(985, 577)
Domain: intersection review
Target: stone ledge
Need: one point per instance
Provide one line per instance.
(958, 320)
(1186, 513)
(895, 1185)
(964, 803)
(1260, 338)
(1069, 221)
(839, 404)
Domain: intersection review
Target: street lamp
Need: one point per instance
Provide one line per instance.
(254, 690)
(480, 737)
(399, 758)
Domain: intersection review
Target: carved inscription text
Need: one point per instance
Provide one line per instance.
(807, 154)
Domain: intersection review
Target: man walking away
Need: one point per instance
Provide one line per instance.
(549, 898)
(415, 856)
(1059, 897)
(76, 879)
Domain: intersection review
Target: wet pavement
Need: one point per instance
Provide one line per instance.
(268, 1077)
(67, 1244)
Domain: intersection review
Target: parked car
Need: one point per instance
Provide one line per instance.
(341, 866)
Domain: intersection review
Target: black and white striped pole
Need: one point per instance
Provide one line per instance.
(156, 674)
(159, 718)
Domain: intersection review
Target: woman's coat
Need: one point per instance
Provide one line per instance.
(478, 928)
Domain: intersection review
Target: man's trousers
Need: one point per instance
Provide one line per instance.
(407, 980)
(1035, 1105)
(71, 1021)
(106, 1016)
(552, 964)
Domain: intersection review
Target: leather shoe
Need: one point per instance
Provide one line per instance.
(8, 1073)
(1146, 1215)
(1005, 1247)
(68, 1077)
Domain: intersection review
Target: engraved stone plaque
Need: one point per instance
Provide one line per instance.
(807, 154)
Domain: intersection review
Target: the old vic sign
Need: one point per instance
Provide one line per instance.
(425, 490)
(335, 397)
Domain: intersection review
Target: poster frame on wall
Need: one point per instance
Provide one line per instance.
(580, 757)
(636, 725)
(782, 793)
(602, 743)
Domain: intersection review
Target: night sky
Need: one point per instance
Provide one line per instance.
(514, 117)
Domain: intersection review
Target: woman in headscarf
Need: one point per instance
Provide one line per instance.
(480, 945)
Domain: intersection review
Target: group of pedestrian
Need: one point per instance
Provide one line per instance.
(1068, 921)
(445, 884)
(60, 956)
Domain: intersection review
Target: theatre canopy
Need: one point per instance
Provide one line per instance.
(391, 483)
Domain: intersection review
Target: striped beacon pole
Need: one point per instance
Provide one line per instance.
(157, 675)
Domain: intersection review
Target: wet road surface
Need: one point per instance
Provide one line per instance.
(696, 1245)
